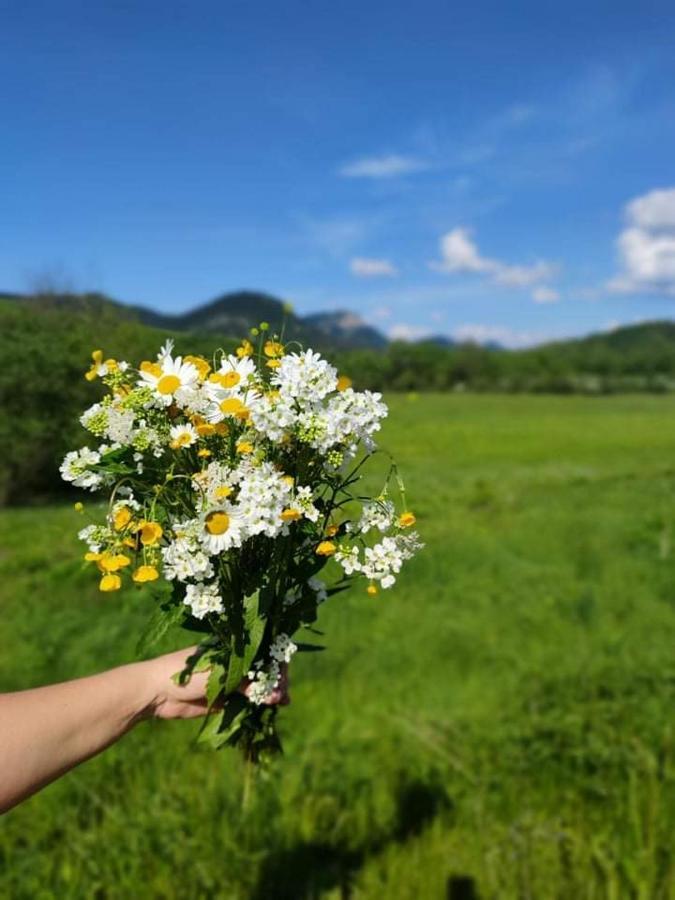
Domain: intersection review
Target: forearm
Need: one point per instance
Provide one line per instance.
(46, 731)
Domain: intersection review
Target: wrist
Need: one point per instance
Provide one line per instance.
(150, 690)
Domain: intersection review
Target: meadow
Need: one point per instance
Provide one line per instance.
(499, 725)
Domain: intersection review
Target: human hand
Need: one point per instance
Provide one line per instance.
(188, 701)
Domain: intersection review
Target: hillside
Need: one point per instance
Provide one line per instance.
(229, 315)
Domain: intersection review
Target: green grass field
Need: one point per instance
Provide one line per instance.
(500, 725)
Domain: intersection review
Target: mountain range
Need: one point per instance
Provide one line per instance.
(234, 314)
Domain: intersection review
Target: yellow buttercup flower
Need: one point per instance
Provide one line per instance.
(245, 447)
(204, 453)
(222, 492)
(246, 349)
(112, 562)
(205, 429)
(344, 382)
(121, 518)
(99, 367)
(226, 379)
(78, 507)
(200, 364)
(110, 583)
(151, 532)
(406, 519)
(291, 515)
(145, 573)
(273, 349)
(372, 590)
(331, 531)
(152, 368)
(326, 548)
(92, 557)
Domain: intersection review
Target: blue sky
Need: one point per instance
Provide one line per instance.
(489, 170)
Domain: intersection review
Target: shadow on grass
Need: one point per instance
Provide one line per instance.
(305, 871)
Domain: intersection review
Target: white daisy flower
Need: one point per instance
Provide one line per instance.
(221, 529)
(168, 378)
(182, 436)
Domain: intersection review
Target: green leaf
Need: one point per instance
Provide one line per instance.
(210, 728)
(214, 685)
(159, 623)
(236, 710)
(242, 657)
(309, 648)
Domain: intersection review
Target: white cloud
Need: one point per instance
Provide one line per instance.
(524, 276)
(460, 254)
(647, 246)
(498, 334)
(404, 332)
(476, 333)
(389, 166)
(545, 294)
(369, 267)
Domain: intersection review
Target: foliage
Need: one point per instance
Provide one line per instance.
(507, 733)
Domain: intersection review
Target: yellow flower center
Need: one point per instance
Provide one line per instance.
(184, 439)
(217, 522)
(231, 406)
(167, 384)
(244, 447)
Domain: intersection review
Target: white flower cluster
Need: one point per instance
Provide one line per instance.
(75, 468)
(264, 679)
(282, 648)
(305, 377)
(203, 599)
(184, 559)
(383, 561)
(379, 514)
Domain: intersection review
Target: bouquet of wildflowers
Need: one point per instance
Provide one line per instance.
(232, 483)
